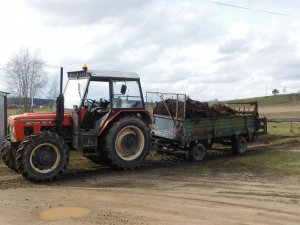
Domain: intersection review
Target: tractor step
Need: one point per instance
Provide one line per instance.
(89, 145)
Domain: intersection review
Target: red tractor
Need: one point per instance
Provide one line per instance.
(101, 113)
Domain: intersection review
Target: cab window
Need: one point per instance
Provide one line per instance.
(126, 95)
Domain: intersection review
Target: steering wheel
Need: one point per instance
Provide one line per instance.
(92, 104)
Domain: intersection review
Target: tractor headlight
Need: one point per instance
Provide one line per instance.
(11, 129)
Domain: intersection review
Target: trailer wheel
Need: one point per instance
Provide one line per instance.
(239, 145)
(127, 142)
(196, 152)
(42, 157)
(8, 155)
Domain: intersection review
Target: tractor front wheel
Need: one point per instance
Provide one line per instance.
(8, 154)
(42, 157)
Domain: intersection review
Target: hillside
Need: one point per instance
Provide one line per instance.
(273, 100)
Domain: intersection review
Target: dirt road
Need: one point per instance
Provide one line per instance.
(171, 193)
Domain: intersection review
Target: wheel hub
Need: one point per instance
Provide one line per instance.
(129, 143)
(44, 157)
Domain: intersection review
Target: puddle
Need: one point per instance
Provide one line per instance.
(60, 213)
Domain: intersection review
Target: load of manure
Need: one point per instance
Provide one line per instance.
(194, 109)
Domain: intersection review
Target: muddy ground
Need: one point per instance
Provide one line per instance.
(223, 189)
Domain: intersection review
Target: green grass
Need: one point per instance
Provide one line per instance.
(260, 163)
(286, 129)
(75, 154)
(280, 133)
(284, 161)
(272, 100)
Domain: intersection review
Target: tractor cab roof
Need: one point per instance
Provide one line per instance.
(103, 75)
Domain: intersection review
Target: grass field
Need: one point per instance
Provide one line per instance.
(273, 100)
(283, 110)
(279, 162)
(287, 129)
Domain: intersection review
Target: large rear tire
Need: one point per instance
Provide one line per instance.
(42, 157)
(8, 155)
(239, 145)
(127, 142)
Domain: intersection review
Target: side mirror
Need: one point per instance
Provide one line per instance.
(123, 89)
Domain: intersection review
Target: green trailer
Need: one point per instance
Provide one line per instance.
(197, 135)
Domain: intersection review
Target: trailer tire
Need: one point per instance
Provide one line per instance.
(42, 157)
(8, 155)
(127, 142)
(239, 145)
(196, 152)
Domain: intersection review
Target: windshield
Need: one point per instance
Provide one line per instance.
(74, 92)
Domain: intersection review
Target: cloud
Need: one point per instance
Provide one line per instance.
(78, 12)
(156, 43)
(233, 46)
(202, 49)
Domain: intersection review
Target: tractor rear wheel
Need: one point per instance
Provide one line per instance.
(127, 142)
(42, 157)
(8, 155)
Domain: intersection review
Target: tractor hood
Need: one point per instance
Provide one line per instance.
(21, 126)
(40, 118)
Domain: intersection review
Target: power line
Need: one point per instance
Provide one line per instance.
(250, 9)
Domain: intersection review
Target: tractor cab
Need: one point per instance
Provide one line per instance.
(94, 98)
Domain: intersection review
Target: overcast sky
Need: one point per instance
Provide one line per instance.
(195, 47)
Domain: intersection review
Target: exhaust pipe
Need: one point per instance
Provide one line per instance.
(61, 80)
(60, 101)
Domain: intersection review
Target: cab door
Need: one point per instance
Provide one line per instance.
(75, 117)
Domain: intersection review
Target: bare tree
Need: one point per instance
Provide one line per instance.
(53, 93)
(26, 76)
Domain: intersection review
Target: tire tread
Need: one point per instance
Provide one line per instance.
(31, 140)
